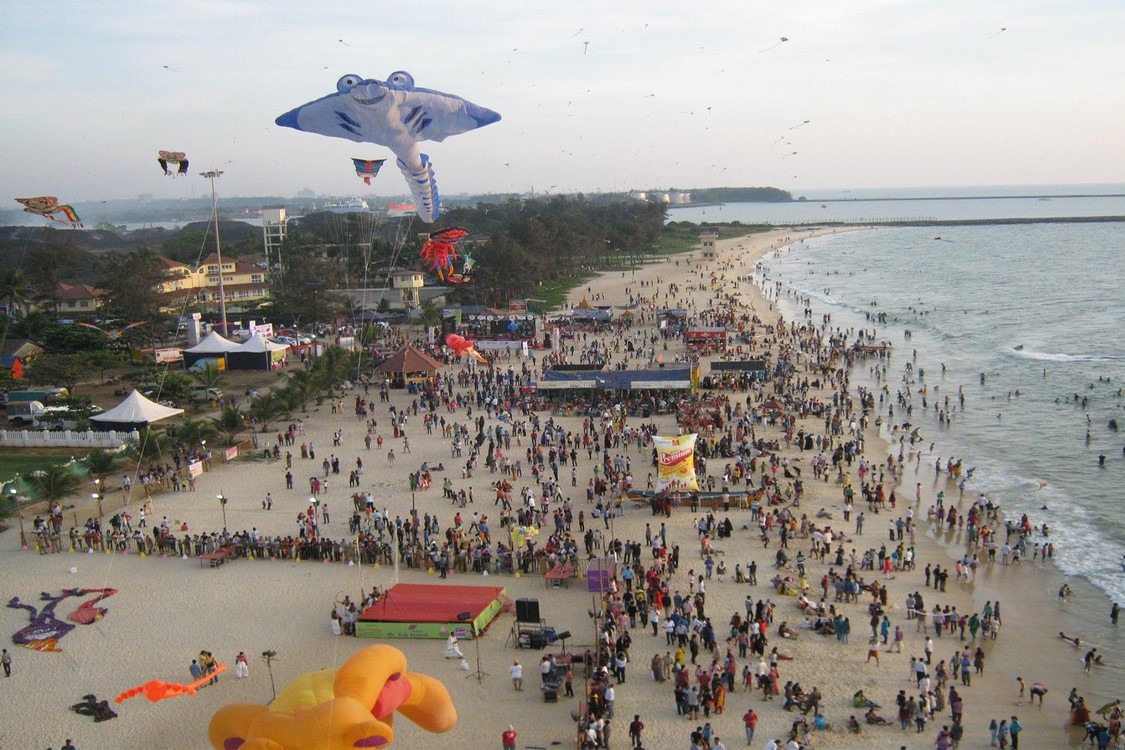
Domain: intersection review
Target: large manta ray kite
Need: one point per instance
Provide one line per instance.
(395, 114)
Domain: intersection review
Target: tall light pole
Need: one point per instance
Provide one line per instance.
(223, 504)
(19, 512)
(97, 495)
(211, 174)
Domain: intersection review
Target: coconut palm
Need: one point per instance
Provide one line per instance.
(192, 432)
(14, 290)
(229, 424)
(302, 385)
(101, 463)
(209, 375)
(53, 483)
(430, 314)
(266, 408)
(152, 445)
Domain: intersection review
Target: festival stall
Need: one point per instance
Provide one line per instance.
(213, 347)
(408, 365)
(257, 353)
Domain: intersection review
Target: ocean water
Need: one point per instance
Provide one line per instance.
(912, 204)
(1040, 310)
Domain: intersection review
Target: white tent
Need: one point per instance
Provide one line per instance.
(258, 343)
(213, 343)
(135, 411)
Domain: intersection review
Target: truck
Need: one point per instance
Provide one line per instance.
(25, 412)
(201, 394)
(43, 395)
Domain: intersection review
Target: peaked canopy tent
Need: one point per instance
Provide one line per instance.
(257, 353)
(134, 413)
(213, 346)
(409, 361)
(408, 365)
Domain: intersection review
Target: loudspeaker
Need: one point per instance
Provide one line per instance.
(527, 610)
(538, 640)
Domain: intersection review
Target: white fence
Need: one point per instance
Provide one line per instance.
(65, 439)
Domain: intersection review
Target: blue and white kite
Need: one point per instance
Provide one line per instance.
(395, 114)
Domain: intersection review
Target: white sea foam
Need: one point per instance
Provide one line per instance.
(1060, 357)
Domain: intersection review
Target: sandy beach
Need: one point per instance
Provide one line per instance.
(166, 610)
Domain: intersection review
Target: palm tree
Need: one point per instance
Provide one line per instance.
(229, 424)
(209, 375)
(302, 384)
(430, 314)
(151, 445)
(192, 432)
(101, 463)
(14, 289)
(53, 483)
(266, 408)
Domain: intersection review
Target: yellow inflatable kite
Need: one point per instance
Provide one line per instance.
(338, 709)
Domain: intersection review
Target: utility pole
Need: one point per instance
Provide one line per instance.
(211, 175)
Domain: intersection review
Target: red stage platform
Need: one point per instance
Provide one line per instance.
(411, 610)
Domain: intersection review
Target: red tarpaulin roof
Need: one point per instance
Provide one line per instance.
(418, 602)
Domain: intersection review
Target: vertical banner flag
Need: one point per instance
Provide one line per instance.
(675, 463)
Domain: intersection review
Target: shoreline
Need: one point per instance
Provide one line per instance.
(1037, 594)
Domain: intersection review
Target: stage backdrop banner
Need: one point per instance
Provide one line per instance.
(675, 463)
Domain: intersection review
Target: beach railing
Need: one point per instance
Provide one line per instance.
(65, 438)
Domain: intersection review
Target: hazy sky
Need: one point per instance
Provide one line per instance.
(666, 94)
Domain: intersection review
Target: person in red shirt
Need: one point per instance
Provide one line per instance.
(750, 719)
(635, 729)
(508, 738)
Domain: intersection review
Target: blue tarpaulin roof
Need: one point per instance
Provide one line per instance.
(676, 378)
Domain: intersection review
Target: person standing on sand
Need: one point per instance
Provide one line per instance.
(508, 738)
(1014, 729)
(241, 666)
(635, 728)
(750, 721)
(516, 671)
(6, 660)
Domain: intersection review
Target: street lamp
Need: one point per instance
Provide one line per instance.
(98, 495)
(211, 175)
(223, 504)
(19, 512)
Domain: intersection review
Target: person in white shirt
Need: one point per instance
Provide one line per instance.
(516, 672)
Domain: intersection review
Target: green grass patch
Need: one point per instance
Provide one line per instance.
(554, 293)
(24, 461)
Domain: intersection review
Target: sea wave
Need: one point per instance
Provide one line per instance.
(1061, 357)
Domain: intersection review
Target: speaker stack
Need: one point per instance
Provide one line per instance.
(527, 610)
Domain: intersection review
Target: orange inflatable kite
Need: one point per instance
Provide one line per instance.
(460, 346)
(338, 709)
(156, 691)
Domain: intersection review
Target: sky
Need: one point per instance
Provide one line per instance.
(595, 96)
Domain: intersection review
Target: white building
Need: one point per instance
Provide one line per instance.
(275, 226)
(707, 242)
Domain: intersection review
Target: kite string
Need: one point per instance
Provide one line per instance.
(163, 371)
